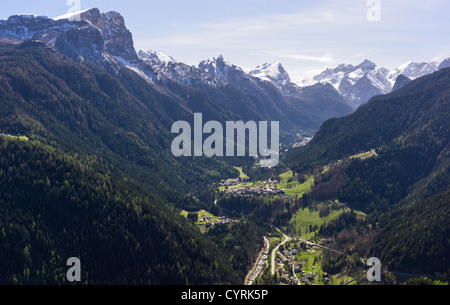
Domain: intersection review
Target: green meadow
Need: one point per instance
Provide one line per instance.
(309, 217)
(289, 183)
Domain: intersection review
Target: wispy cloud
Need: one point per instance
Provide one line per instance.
(327, 58)
(231, 31)
(318, 35)
(271, 22)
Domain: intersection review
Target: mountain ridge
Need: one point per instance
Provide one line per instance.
(357, 84)
(410, 118)
(103, 39)
(360, 83)
(390, 159)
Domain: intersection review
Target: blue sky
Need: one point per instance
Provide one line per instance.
(305, 36)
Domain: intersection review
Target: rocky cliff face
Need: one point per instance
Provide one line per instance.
(103, 39)
(117, 38)
(98, 37)
(179, 72)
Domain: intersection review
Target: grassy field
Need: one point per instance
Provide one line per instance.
(305, 218)
(21, 138)
(231, 187)
(243, 177)
(365, 155)
(325, 169)
(287, 181)
(307, 259)
(241, 173)
(203, 212)
(301, 189)
(284, 178)
(341, 279)
(292, 186)
(200, 214)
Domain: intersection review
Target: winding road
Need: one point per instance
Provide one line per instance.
(274, 251)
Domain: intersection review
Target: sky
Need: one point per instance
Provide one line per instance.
(305, 36)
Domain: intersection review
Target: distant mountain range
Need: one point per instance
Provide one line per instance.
(360, 83)
(103, 39)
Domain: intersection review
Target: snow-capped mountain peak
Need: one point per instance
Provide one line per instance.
(405, 65)
(155, 56)
(218, 59)
(274, 73)
(413, 70)
(215, 64)
(367, 66)
(222, 68)
(359, 83)
(101, 38)
(333, 76)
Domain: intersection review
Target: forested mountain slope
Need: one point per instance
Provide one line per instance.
(410, 132)
(417, 114)
(391, 159)
(84, 109)
(54, 206)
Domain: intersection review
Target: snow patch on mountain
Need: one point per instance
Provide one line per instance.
(155, 56)
(221, 67)
(274, 73)
(413, 70)
(179, 72)
(103, 39)
(359, 83)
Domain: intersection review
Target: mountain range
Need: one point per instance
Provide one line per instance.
(357, 84)
(93, 163)
(99, 179)
(403, 178)
(360, 83)
(104, 39)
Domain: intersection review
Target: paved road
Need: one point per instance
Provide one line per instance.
(274, 251)
(287, 239)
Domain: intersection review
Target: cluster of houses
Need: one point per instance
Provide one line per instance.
(289, 276)
(302, 143)
(253, 191)
(266, 188)
(306, 279)
(231, 182)
(210, 222)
